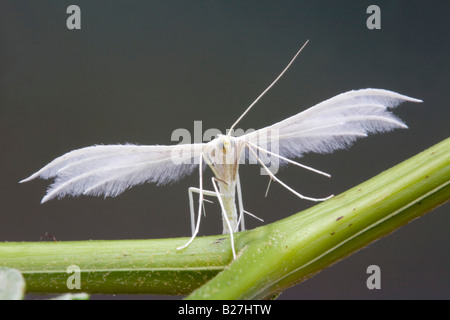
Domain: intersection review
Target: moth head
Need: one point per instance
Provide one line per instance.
(225, 144)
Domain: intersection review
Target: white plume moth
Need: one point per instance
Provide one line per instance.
(333, 124)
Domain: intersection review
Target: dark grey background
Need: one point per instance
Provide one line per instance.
(140, 69)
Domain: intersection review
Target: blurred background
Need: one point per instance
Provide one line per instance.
(137, 70)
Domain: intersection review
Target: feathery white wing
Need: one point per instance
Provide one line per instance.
(111, 169)
(332, 124)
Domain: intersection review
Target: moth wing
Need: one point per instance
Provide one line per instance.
(111, 169)
(333, 124)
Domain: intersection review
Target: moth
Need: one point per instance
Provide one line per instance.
(333, 124)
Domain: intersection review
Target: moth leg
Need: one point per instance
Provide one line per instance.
(241, 204)
(191, 191)
(249, 144)
(282, 183)
(200, 204)
(213, 179)
(268, 186)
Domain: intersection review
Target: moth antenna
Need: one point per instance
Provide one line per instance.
(267, 89)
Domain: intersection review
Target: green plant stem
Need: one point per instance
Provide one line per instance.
(294, 249)
(270, 258)
(117, 266)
